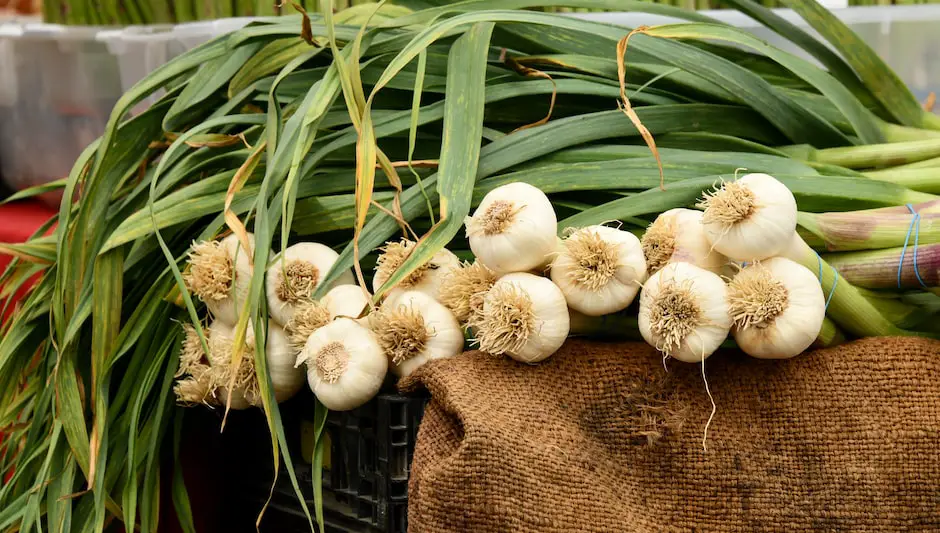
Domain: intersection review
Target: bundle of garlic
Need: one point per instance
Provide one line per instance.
(777, 307)
(599, 270)
(427, 278)
(295, 274)
(219, 274)
(412, 328)
(684, 312)
(524, 316)
(212, 379)
(678, 235)
(345, 364)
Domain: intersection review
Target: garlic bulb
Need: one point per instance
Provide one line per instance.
(751, 218)
(463, 289)
(427, 278)
(220, 274)
(412, 329)
(348, 301)
(286, 379)
(345, 364)
(295, 274)
(513, 229)
(599, 270)
(524, 316)
(778, 308)
(676, 236)
(684, 312)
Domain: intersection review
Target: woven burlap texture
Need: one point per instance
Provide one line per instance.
(601, 438)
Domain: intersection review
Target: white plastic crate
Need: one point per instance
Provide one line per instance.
(58, 85)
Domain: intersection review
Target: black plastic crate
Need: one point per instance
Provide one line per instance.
(365, 479)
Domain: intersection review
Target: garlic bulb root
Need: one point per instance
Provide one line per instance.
(684, 312)
(750, 219)
(513, 229)
(219, 274)
(412, 329)
(427, 278)
(464, 288)
(308, 317)
(599, 270)
(677, 235)
(524, 316)
(345, 364)
(294, 275)
(778, 308)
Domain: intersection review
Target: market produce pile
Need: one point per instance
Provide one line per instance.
(399, 188)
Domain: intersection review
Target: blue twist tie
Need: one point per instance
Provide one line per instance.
(915, 227)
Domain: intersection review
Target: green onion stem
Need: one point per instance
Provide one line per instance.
(926, 163)
(873, 155)
(848, 308)
(878, 269)
(862, 230)
(895, 133)
(829, 335)
(918, 179)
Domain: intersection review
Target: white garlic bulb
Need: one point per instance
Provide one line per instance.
(751, 218)
(294, 275)
(513, 229)
(220, 275)
(412, 329)
(286, 379)
(678, 235)
(599, 270)
(345, 364)
(524, 316)
(346, 300)
(778, 308)
(684, 312)
(427, 278)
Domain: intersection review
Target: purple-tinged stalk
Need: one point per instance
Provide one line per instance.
(867, 230)
(878, 269)
(848, 308)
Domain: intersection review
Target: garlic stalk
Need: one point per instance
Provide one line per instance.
(777, 307)
(412, 329)
(684, 312)
(219, 274)
(348, 301)
(513, 229)
(345, 364)
(463, 289)
(295, 274)
(210, 375)
(524, 316)
(751, 218)
(427, 278)
(599, 270)
(676, 236)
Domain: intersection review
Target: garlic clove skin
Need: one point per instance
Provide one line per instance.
(750, 219)
(295, 274)
(524, 316)
(678, 236)
(444, 336)
(684, 312)
(513, 229)
(793, 329)
(349, 301)
(345, 364)
(427, 279)
(286, 380)
(599, 270)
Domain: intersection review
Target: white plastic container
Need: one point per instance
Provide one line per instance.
(58, 85)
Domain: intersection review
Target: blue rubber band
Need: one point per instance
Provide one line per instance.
(835, 280)
(915, 227)
(832, 291)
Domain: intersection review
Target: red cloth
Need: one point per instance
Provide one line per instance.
(19, 220)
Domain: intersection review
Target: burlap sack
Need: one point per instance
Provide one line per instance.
(601, 438)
